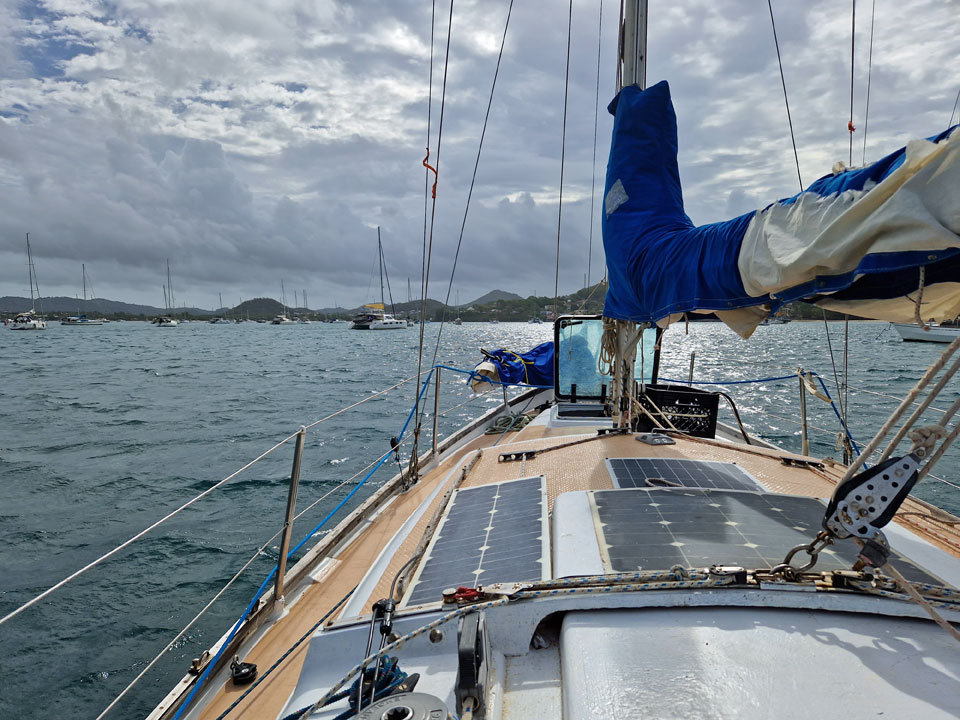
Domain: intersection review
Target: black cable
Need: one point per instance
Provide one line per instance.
(785, 99)
(736, 414)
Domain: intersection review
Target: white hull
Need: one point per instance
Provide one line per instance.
(75, 322)
(31, 325)
(935, 333)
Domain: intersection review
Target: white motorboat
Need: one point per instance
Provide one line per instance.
(165, 321)
(282, 319)
(930, 333)
(81, 320)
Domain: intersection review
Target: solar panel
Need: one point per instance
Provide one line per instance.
(654, 529)
(676, 472)
(491, 533)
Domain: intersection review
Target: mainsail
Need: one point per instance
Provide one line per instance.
(881, 241)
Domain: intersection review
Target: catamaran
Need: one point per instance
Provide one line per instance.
(374, 316)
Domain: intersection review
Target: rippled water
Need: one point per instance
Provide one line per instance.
(104, 430)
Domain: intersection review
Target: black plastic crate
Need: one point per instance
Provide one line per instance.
(688, 409)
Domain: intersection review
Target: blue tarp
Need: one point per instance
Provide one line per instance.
(530, 368)
(660, 264)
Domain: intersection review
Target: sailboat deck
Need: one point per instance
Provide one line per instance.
(576, 467)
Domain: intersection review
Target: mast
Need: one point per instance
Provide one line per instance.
(83, 270)
(171, 302)
(283, 298)
(30, 273)
(380, 255)
(622, 334)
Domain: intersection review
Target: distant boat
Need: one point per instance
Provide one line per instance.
(80, 319)
(943, 333)
(458, 321)
(168, 302)
(375, 316)
(282, 319)
(535, 321)
(30, 320)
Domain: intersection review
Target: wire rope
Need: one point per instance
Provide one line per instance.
(426, 203)
(473, 181)
(563, 154)
(593, 165)
(786, 101)
(956, 106)
(853, 37)
(866, 112)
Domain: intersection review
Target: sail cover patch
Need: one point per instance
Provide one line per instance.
(857, 238)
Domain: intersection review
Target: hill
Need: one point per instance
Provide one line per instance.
(494, 296)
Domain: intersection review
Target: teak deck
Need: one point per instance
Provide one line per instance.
(578, 467)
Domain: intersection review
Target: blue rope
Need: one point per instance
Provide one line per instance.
(266, 582)
(846, 430)
(731, 382)
(474, 374)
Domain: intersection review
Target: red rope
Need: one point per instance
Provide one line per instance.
(428, 166)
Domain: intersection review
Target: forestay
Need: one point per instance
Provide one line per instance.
(872, 241)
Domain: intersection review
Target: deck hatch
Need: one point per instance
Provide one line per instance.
(491, 533)
(648, 472)
(654, 529)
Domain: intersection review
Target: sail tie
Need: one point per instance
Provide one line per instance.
(428, 166)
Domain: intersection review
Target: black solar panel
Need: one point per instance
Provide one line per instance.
(491, 533)
(674, 472)
(654, 529)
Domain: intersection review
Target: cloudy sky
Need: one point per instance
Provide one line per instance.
(258, 142)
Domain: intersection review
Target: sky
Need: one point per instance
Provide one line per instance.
(259, 143)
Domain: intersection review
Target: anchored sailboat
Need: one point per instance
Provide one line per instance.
(374, 315)
(81, 319)
(30, 320)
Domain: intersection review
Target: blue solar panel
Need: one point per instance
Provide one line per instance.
(491, 533)
(677, 472)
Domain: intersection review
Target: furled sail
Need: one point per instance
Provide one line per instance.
(881, 241)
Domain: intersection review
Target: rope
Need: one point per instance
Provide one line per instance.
(563, 157)
(922, 602)
(833, 361)
(866, 113)
(593, 165)
(919, 301)
(786, 101)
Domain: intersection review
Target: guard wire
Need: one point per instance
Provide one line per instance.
(786, 100)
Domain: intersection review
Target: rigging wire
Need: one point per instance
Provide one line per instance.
(786, 101)
(866, 113)
(956, 105)
(853, 38)
(563, 153)
(424, 267)
(596, 118)
(473, 181)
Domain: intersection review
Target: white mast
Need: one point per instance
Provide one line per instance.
(623, 335)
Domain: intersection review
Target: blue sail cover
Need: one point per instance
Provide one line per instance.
(853, 241)
(534, 367)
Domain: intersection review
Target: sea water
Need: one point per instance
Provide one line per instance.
(104, 430)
